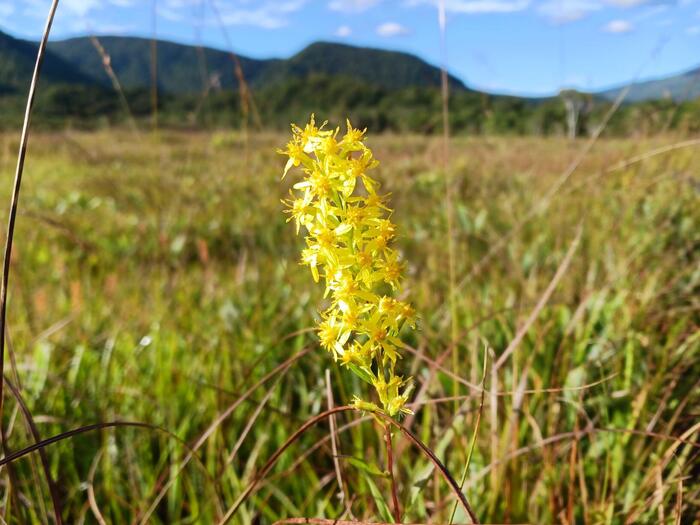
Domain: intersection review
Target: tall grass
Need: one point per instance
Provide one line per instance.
(171, 296)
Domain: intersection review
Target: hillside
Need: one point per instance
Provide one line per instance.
(387, 69)
(17, 63)
(680, 88)
(182, 68)
(379, 89)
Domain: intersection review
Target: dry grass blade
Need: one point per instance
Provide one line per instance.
(246, 94)
(273, 459)
(334, 444)
(390, 469)
(315, 420)
(249, 425)
(101, 426)
(477, 389)
(449, 193)
(14, 204)
(578, 435)
(214, 425)
(637, 159)
(474, 434)
(438, 464)
(154, 64)
(542, 302)
(545, 201)
(679, 503)
(53, 490)
(313, 448)
(321, 521)
(76, 432)
(91, 490)
(107, 64)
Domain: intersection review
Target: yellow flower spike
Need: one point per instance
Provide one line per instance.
(349, 237)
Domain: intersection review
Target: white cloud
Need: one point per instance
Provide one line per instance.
(693, 30)
(168, 13)
(80, 7)
(471, 7)
(618, 26)
(651, 12)
(391, 29)
(352, 6)
(564, 11)
(343, 32)
(488, 6)
(267, 15)
(6, 9)
(626, 3)
(112, 29)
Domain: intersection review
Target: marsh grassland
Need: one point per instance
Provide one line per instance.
(155, 280)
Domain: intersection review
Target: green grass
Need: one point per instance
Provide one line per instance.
(156, 281)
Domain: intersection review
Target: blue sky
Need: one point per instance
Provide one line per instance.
(515, 46)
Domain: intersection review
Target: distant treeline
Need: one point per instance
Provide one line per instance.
(408, 110)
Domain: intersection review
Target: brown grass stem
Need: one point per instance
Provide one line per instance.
(214, 425)
(34, 431)
(246, 95)
(449, 194)
(542, 204)
(334, 441)
(561, 270)
(390, 468)
(317, 419)
(323, 521)
(474, 434)
(94, 507)
(154, 65)
(76, 432)
(107, 65)
(14, 204)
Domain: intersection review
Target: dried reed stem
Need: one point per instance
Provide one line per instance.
(334, 444)
(474, 434)
(390, 468)
(107, 65)
(154, 64)
(315, 420)
(14, 204)
(449, 195)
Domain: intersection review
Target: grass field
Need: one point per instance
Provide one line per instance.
(154, 280)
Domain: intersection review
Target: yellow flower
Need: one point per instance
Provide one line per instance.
(349, 236)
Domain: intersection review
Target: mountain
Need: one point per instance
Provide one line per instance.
(185, 69)
(17, 59)
(387, 69)
(181, 68)
(680, 88)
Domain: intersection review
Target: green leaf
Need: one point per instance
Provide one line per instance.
(360, 373)
(382, 507)
(366, 467)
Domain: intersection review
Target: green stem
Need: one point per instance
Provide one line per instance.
(474, 435)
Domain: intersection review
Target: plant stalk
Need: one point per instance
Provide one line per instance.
(390, 468)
